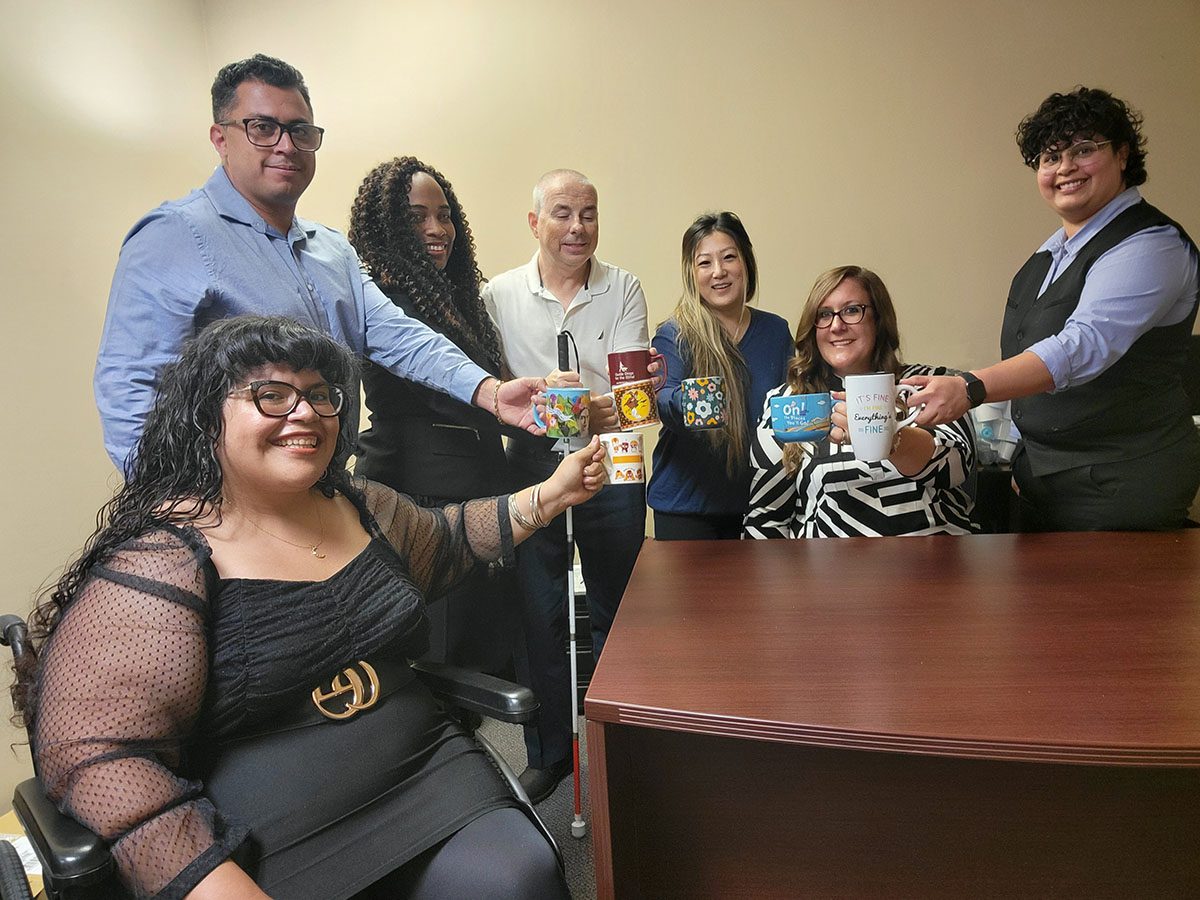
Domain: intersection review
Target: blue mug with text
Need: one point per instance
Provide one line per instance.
(801, 417)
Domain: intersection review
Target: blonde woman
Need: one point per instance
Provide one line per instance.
(701, 478)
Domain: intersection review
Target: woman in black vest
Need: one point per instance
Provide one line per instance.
(1095, 335)
(413, 238)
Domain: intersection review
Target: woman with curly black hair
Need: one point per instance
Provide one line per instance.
(413, 238)
(221, 688)
(1095, 335)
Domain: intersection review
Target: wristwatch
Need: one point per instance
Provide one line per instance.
(976, 389)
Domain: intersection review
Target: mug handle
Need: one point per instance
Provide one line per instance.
(902, 391)
(537, 418)
(659, 381)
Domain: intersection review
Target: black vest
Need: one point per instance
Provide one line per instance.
(1131, 409)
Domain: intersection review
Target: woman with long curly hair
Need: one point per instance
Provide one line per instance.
(700, 481)
(242, 620)
(848, 327)
(413, 238)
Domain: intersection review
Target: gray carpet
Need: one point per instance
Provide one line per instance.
(557, 810)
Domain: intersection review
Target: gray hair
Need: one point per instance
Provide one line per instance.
(539, 189)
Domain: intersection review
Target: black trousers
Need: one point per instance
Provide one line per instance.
(609, 530)
(1150, 493)
(500, 855)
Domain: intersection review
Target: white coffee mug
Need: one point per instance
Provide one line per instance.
(871, 413)
(624, 460)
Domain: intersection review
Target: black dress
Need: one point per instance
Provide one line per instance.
(438, 450)
(177, 717)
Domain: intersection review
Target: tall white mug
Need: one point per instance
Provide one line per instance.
(871, 413)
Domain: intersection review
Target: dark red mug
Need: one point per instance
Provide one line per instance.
(634, 365)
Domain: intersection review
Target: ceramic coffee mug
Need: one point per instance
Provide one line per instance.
(801, 417)
(632, 365)
(623, 458)
(566, 412)
(703, 402)
(636, 406)
(871, 411)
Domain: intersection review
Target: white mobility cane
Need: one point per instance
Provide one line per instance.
(578, 826)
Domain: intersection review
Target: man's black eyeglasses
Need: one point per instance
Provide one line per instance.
(263, 132)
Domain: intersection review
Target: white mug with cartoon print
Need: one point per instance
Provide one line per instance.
(624, 460)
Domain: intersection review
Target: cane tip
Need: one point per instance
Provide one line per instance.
(578, 828)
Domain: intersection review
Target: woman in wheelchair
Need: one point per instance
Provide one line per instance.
(223, 691)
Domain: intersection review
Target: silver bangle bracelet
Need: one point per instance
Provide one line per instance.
(535, 504)
(515, 508)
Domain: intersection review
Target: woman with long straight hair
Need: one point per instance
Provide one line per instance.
(701, 478)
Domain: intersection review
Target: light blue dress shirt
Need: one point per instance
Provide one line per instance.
(1147, 280)
(210, 256)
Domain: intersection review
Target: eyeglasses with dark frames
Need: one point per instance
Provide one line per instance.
(264, 132)
(278, 399)
(850, 315)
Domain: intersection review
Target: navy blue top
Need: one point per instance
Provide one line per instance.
(688, 476)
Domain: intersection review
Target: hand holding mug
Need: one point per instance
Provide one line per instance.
(657, 369)
(603, 414)
(514, 402)
(871, 408)
(839, 433)
(576, 479)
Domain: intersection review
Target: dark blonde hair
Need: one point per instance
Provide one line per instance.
(807, 371)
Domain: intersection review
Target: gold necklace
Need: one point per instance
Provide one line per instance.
(314, 549)
(737, 331)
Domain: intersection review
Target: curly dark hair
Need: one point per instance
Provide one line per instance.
(258, 67)
(174, 476)
(1085, 113)
(381, 230)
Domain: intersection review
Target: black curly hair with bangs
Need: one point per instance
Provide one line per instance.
(381, 230)
(174, 476)
(1085, 113)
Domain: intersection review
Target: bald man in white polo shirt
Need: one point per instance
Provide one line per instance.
(566, 288)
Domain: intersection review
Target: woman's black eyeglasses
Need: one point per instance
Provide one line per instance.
(850, 315)
(278, 399)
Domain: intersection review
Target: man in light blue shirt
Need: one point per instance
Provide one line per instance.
(235, 246)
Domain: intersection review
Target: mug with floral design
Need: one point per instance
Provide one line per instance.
(703, 402)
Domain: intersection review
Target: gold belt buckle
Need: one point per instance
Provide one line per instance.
(363, 693)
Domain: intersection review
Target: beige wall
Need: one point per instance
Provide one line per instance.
(876, 133)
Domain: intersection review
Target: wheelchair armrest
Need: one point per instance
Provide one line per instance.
(479, 693)
(71, 856)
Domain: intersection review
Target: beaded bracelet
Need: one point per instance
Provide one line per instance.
(515, 508)
(496, 400)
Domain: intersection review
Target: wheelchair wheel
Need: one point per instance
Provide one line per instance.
(13, 883)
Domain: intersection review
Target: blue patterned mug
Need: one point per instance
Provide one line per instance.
(801, 417)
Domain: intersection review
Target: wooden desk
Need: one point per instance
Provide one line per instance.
(986, 715)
